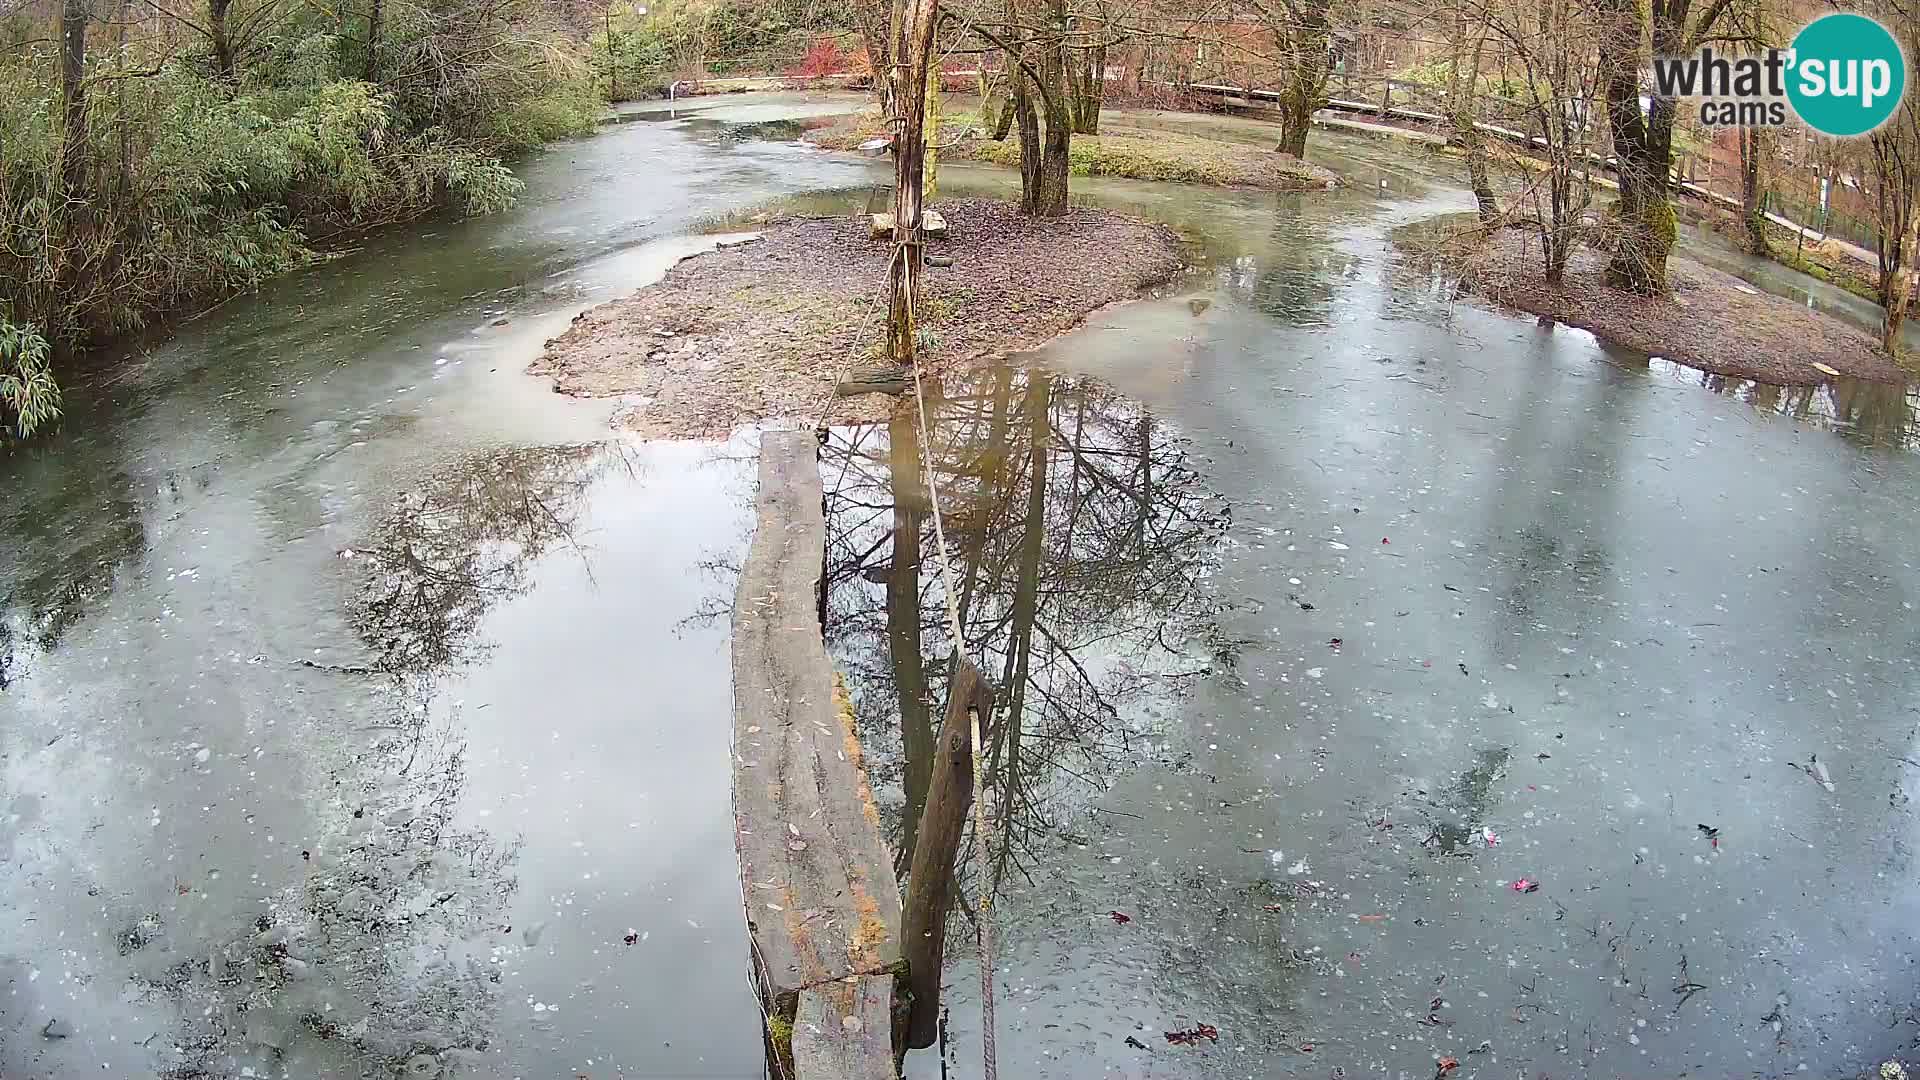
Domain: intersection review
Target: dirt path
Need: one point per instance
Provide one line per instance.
(762, 331)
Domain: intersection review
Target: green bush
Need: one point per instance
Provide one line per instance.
(640, 63)
(190, 186)
(27, 389)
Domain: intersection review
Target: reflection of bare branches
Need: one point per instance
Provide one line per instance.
(359, 968)
(715, 606)
(463, 541)
(362, 962)
(1082, 543)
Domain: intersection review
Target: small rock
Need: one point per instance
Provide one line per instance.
(502, 321)
(57, 1029)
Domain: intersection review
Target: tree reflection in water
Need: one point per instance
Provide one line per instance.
(1880, 415)
(1082, 542)
(368, 965)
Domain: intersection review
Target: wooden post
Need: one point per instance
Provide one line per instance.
(911, 57)
(930, 879)
(1386, 98)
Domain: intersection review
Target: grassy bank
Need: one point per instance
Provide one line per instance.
(1133, 153)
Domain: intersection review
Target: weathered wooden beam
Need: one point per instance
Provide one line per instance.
(822, 904)
(930, 878)
(827, 1047)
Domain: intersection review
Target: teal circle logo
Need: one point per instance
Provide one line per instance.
(1847, 75)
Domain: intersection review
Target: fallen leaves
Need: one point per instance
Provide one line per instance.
(1193, 1035)
(1119, 918)
(1445, 1066)
(1524, 885)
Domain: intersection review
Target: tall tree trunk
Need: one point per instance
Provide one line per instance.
(376, 28)
(1896, 180)
(1301, 33)
(74, 15)
(1296, 120)
(1087, 73)
(1030, 154)
(222, 39)
(1752, 193)
(1899, 290)
(1463, 95)
(910, 506)
(1050, 195)
(1642, 145)
(913, 51)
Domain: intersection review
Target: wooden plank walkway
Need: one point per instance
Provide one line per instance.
(823, 907)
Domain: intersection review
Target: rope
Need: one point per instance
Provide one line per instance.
(833, 388)
(990, 1065)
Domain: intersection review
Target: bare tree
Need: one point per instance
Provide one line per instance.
(1087, 64)
(1553, 43)
(1643, 135)
(1756, 149)
(1895, 160)
(1301, 34)
(1467, 48)
(1758, 21)
(1081, 539)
